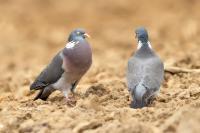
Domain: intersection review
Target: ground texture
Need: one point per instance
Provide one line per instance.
(31, 32)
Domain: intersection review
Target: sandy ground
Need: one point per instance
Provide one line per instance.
(31, 32)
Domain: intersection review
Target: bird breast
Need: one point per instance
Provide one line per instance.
(78, 58)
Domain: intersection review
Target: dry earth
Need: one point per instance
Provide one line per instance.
(31, 32)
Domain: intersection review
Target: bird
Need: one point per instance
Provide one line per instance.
(145, 72)
(66, 68)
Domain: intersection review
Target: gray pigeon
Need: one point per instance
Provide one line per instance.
(145, 72)
(67, 67)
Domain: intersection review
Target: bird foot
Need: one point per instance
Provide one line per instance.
(71, 100)
(151, 100)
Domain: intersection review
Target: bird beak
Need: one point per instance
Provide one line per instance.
(87, 35)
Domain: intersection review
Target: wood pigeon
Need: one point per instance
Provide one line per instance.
(66, 68)
(145, 71)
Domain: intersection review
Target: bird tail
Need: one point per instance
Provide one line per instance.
(37, 85)
(140, 91)
(138, 95)
(44, 93)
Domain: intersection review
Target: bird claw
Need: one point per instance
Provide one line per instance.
(151, 100)
(71, 101)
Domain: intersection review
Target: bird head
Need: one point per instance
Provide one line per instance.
(141, 34)
(77, 33)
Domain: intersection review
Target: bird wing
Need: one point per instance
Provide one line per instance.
(154, 73)
(150, 72)
(50, 74)
(133, 73)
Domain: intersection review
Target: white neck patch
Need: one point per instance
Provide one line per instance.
(140, 45)
(71, 44)
(149, 45)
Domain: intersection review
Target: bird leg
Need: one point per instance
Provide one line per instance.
(70, 98)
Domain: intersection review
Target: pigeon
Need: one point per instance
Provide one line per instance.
(66, 68)
(145, 72)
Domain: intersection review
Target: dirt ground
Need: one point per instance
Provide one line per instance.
(31, 32)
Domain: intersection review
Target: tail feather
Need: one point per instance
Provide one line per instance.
(139, 96)
(37, 85)
(139, 92)
(41, 96)
(44, 93)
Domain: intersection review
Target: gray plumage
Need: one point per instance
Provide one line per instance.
(66, 68)
(50, 74)
(145, 72)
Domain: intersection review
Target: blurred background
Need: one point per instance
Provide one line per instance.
(33, 31)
